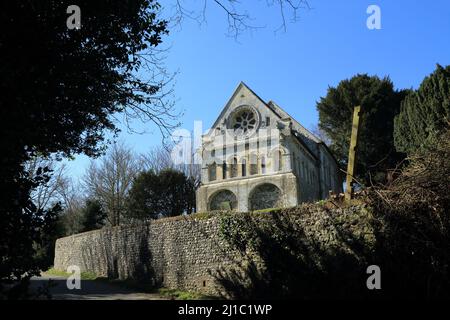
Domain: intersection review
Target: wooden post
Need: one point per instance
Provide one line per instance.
(352, 153)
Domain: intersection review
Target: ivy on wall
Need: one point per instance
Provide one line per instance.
(311, 252)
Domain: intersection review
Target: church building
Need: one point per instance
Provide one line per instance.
(256, 156)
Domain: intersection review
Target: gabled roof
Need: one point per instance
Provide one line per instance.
(279, 110)
(303, 144)
(308, 139)
(238, 88)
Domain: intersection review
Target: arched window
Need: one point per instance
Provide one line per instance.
(265, 196)
(253, 164)
(233, 169)
(263, 165)
(212, 172)
(244, 167)
(223, 200)
(224, 170)
(280, 161)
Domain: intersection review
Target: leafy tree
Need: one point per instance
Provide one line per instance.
(168, 193)
(424, 113)
(25, 230)
(144, 197)
(380, 103)
(63, 88)
(71, 221)
(45, 244)
(176, 193)
(93, 214)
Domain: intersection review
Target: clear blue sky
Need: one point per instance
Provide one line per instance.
(329, 43)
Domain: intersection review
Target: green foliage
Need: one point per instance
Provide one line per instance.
(71, 221)
(380, 103)
(168, 193)
(63, 88)
(267, 210)
(144, 198)
(59, 273)
(425, 113)
(26, 232)
(203, 215)
(93, 215)
(45, 246)
(62, 110)
(181, 295)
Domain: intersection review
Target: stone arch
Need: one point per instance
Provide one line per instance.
(263, 196)
(277, 158)
(222, 200)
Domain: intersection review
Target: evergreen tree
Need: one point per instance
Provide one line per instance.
(168, 193)
(424, 113)
(143, 198)
(93, 215)
(380, 103)
(176, 192)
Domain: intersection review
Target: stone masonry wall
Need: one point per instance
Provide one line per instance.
(175, 253)
(189, 253)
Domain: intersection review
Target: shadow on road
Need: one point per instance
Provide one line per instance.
(89, 290)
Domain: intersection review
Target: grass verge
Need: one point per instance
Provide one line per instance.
(183, 295)
(84, 275)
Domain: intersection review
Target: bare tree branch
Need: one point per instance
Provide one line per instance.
(110, 180)
(47, 194)
(160, 158)
(238, 19)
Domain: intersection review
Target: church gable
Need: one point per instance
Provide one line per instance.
(242, 98)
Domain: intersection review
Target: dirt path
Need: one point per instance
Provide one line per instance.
(90, 290)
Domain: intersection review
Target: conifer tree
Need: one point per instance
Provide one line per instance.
(424, 113)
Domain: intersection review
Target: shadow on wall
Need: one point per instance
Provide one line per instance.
(282, 257)
(125, 255)
(141, 268)
(306, 253)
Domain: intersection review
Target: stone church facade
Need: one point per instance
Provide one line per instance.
(256, 156)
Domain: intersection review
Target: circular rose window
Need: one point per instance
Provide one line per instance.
(243, 120)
